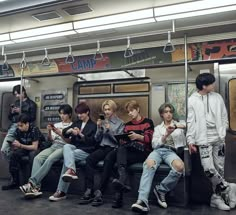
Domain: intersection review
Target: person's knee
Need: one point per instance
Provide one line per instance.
(150, 163)
(178, 165)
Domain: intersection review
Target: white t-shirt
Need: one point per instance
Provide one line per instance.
(55, 137)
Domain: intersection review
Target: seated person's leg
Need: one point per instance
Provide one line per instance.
(6, 147)
(169, 182)
(14, 168)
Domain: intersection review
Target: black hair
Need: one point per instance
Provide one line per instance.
(204, 79)
(67, 109)
(23, 118)
(17, 89)
(82, 108)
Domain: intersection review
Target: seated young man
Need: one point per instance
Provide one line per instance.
(135, 150)
(27, 138)
(106, 129)
(28, 107)
(45, 159)
(81, 133)
(167, 137)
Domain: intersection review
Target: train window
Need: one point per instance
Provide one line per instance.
(131, 87)
(176, 96)
(98, 89)
(232, 104)
(7, 100)
(96, 104)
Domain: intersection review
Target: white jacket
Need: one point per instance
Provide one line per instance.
(177, 135)
(196, 121)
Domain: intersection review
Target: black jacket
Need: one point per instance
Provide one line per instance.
(88, 143)
(28, 107)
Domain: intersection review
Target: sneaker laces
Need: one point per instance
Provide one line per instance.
(162, 196)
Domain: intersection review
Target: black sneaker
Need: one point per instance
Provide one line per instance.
(97, 201)
(118, 201)
(161, 198)
(140, 207)
(87, 197)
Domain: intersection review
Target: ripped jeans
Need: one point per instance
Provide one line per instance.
(158, 155)
(213, 158)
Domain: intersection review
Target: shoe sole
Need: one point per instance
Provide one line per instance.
(138, 209)
(215, 206)
(158, 200)
(85, 202)
(97, 204)
(53, 199)
(69, 178)
(32, 195)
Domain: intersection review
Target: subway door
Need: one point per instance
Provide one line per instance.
(6, 99)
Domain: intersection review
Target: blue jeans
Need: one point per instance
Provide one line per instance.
(159, 155)
(44, 161)
(71, 154)
(6, 148)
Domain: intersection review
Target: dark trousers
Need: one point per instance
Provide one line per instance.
(91, 162)
(129, 155)
(15, 163)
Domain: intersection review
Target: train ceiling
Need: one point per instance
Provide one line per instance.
(17, 15)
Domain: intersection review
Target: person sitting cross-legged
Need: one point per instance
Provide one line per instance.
(81, 134)
(167, 137)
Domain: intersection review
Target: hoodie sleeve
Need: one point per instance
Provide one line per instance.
(224, 114)
(191, 125)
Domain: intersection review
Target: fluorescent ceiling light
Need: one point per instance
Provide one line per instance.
(190, 9)
(41, 31)
(47, 36)
(116, 25)
(4, 37)
(124, 17)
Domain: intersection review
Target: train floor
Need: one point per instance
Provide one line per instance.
(13, 203)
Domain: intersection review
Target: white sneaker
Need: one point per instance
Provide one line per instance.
(161, 198)
(218, 202)
(232, 195)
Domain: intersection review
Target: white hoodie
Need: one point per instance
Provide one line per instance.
(196, 121)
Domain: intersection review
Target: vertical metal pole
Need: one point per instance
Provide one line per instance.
(21, 85)
(186, 74)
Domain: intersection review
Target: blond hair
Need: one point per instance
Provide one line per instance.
(133, 104)
(110, 103)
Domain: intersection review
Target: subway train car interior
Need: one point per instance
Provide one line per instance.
(127, 57)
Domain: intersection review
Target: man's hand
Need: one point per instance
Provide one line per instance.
(192, 148)
(16, 144)
(134, 136)
(99, 123)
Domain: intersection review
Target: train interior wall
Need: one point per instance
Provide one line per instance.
(159, 77)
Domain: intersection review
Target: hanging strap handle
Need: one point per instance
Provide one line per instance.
(169, 47)
(46, 60)
(98, 54)
(70, 58)
(5, 66)
(23, 63)
(129, 51)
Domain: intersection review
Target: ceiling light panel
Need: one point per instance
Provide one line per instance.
(4, 37)
(41, 31)
(124, 17)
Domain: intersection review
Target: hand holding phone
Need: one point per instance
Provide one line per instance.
(101, 117)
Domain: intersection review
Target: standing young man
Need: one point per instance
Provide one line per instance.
(27, 137)
(28, 107)
(207, 123)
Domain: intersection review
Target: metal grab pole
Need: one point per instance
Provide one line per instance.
(21, 86)
(186, 75)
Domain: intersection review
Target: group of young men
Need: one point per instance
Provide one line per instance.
(85, 140)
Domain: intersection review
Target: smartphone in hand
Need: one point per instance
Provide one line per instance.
(52, 125)
(101, 116)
